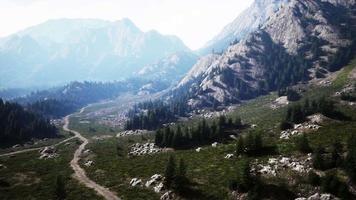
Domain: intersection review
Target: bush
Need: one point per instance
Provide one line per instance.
(285, 125)
(313, 179)
(318, 160)
(303, 144)
(331, 184)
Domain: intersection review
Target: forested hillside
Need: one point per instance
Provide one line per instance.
(18, 125)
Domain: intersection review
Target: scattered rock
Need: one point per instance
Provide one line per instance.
(135, 182)
(139, 149)
(318, 196)
(16, 146)
(131, 132)
(2, 166)
(158, 188)
(153, 180)
(277, 164)
(89, 163)
(253, 125)
(167, 196)
(48, 152)
(298, 129)
(228, 156)
(215, 144)
(198, 149)
(280, 102)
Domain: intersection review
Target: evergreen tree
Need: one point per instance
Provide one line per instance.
(181, 179)
(60, 188)
(318, 161)
(240, 149)
(169, 173)
(303, 144)
(244, 179)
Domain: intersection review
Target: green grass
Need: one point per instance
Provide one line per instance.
(32, 178)
(208, 169)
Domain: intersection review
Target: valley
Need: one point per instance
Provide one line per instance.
(99, 109)
(208, 170)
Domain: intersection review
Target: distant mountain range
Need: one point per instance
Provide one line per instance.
(64, 50)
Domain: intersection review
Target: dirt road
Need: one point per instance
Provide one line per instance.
(36, 148)
(79, 172)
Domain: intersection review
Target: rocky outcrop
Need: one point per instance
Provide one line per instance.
(296, 43)
(247, 22)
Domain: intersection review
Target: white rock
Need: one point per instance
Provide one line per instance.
(158, 188)
(167, 196)
(89, 163)
(135, 182)
(228, 156)
(215, 144)
(198, 149)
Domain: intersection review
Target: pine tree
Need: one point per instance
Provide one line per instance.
(60, 188)
(169, 173)
(181, 179)
(244, 178)
(303, 144)
(318, 161)
(240, 149)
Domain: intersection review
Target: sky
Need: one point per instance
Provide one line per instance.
(194, 21)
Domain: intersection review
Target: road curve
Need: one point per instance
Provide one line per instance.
(80, 174)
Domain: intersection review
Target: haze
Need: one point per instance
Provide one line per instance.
(194, 24)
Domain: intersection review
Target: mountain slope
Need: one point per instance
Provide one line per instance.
(303, 40)
(64, 50)
(170, 68)
(247, 22)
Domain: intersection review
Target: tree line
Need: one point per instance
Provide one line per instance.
(297, 113)
(201, 134)
(151, 115)
(18, 125)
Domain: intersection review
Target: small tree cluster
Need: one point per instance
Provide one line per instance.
(350, 160)
(175, 177)
(303, 144)
(298, 113)
(251, 144)
(189, 136)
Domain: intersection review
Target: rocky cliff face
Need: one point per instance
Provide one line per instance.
(301, 41)
(247, 22)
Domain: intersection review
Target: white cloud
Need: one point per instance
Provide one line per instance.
(194, 21)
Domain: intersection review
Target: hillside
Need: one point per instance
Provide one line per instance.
(18, 125)
(300, 42)
(248, 21)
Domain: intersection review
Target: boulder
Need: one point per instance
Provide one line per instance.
(158, 188)
(215, 144)
(89, 163)
(135, 182)
(228, 156)
(167, 196)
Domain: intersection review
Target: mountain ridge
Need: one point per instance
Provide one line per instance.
(83, 49)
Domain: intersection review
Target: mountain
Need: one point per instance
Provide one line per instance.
(247, 22)
(303, 40)
(169, 69)
(63, 50)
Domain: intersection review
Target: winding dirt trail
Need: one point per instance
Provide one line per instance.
(36, 148)
(79, 172)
